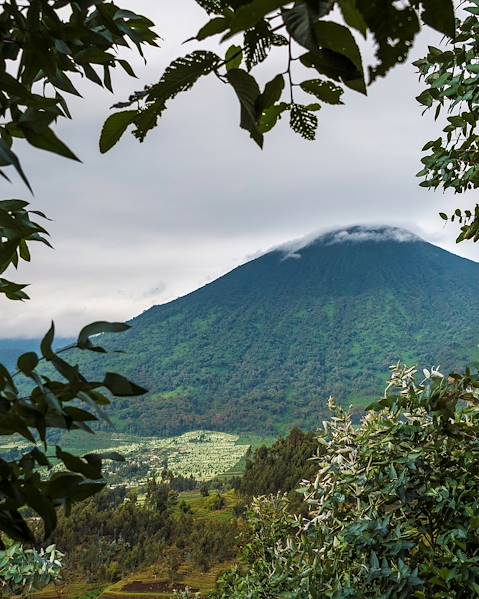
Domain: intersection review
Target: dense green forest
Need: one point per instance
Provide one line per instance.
(280, 467)
(117, 532)
(261, 348)
(175, 525)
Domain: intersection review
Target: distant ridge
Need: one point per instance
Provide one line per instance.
(262, 347)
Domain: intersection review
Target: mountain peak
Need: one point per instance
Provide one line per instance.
(351, 234)
(262, 347)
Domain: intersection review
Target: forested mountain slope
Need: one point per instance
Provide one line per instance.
(263, 347)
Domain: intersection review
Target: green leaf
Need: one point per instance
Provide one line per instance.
(213, 27)
(353, 17)
(271, 115)
(89, 469)
(121, 387)
(233, 57)
(323, 90)
(335, 66)
(43, 506)
(250, 14)
(247, 90)
(439, 14)
(62, 484)
(97, 328)
(27, 362)
(45, 139)
(13, 291)
(114, 127)
(105, 455)
(8, 157)
(272, 93)
(339, 39)
(127, 68)
(46, 344)
(300, 21)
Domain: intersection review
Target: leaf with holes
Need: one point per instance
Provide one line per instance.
(303, 121)
(323, 90)
(182, 74)
(257, 43)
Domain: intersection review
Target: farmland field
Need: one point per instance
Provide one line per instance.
(202, 455)
(155, 581)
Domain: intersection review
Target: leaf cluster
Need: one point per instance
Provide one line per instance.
(23, 570)
(16, 231)
(451, 75)
(68, 402)
(393, 510)
(325, 48)
(48, 44)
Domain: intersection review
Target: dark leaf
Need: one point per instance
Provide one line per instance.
(114, 127)
(439, 14)
(27, 362)
(8, 157)
(247, 90)
(272, 93)
(97, 328)
(323, 90)
(121, 387)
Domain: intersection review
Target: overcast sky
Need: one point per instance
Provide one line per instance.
(149, 222)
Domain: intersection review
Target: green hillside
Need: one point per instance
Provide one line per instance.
(262, 348)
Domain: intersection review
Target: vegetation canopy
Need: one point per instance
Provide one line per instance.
(451, 74)
(393, 508)
(45, 46)
(312, 43)
(46, 43)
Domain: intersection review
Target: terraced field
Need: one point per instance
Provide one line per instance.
(200, 454)
(147, 584)
(154, 582)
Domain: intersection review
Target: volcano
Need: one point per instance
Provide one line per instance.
(262, 347)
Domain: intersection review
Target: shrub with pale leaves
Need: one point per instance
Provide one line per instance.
(393, 509)
(24, 570)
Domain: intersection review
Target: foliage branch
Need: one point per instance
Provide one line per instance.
(452, 160)
(71, 403)
(324, 49)
(25, 570)
(47, 43)
(393, 507)
(44, 46)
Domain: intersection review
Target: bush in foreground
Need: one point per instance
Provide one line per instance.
(393, 508)
(25, 570)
